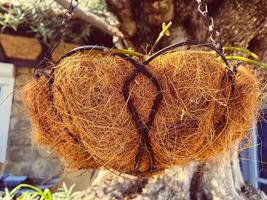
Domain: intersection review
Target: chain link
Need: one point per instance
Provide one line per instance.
(66, 18)
(56, 39)
(68, 14)
(214, 33)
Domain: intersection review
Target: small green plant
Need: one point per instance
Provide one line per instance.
(65, 193)
(12, 18)
(35, 193)
(44, 17)
(95, 5)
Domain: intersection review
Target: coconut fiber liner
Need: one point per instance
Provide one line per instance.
(80, 112)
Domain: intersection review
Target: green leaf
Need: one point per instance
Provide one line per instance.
(240, 49)
(39, 191)
(127, 52)
(248, 61)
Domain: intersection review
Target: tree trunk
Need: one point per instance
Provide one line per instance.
(214, 180)
(241, 23)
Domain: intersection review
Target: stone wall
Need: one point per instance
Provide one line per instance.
(22, 157)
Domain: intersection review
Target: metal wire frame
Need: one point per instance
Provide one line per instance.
(140, 68)
(142, 128)
(191, 43)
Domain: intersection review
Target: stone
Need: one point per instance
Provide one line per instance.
(18, 169)
(18, 123)
(46, 153)
(22, 79)
(81, 178)
(45, 168)
(19, 138)
(17, 95)
(18, 111)
(22, 153)
(23, 70)
(22, 158)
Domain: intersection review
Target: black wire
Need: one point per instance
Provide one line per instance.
(82, 49)
(236, 66)
(190, 43)
(143, 129)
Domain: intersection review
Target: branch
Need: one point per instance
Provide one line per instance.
(94, 20)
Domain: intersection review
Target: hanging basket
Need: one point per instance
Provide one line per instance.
(98, 109)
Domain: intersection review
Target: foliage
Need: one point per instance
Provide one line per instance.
(11, 19)
(44, 18)
(64, 193)
(252, 61)
(35, 193)
(95, 5)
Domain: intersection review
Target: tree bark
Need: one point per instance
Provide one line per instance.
(215, 180)
(241, 23)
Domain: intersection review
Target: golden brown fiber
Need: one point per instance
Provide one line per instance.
(88, 124)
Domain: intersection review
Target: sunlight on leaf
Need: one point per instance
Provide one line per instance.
(248, 61)
(240, 49)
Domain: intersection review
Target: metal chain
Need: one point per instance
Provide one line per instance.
(68, 14)
(66, 18)
(214, 33)
(39, 70)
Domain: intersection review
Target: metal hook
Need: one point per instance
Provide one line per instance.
(73, 6)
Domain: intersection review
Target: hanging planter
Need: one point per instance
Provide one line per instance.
(102, 109)
(136, 114)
